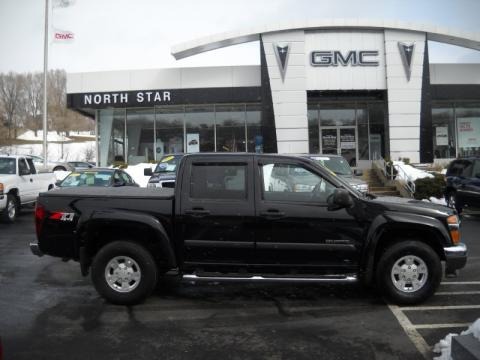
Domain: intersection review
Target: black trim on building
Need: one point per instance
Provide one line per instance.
(345, 95)
(269, 132)
(457, 92)
(150, 98)
(426, 130)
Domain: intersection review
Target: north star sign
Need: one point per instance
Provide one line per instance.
(127, 98)
(352, 57)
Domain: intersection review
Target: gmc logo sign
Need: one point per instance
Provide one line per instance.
(353, 57)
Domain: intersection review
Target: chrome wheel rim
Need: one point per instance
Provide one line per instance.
(11, 209)
(123, 274)
(409, 274)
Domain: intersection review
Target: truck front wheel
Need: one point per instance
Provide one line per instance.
(124, 272)
(409, 272)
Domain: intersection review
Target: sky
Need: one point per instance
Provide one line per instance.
(139, 34)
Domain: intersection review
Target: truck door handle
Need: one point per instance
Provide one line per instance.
(31, 180)
(272, 213)
(197, 212)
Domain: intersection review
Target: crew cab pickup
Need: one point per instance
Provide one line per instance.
(249, 217)
(20, 184)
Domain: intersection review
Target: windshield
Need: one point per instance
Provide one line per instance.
(87, 178)
(337, 164)
(168, 164)
(7, 166)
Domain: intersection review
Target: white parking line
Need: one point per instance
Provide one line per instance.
(441, 326)
(460, 283)
(457, 293)
(411, 331)
(450, 307)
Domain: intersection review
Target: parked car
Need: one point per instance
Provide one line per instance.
(51, 165)
(249, 217)
(20, 184)
(340, 166)
(79, 165)
(97, 177)
(463, 184)
(165, 172)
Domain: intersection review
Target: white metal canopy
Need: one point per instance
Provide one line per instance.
(217, 41)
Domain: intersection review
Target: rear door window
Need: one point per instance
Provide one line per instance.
(218, 181)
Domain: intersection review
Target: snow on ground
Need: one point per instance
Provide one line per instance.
(409, 173)
(444, 346)
(136, 172)
(76, 151)
(51, 136)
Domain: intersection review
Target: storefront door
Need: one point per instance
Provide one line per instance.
(340, 141)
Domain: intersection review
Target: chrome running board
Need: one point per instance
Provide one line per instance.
(257, 278)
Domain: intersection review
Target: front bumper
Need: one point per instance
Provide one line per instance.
(455, 256)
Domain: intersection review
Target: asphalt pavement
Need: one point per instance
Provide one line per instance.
(49, 311)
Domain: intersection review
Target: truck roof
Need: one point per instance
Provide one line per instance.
(14, 156)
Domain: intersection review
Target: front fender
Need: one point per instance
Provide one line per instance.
(398, 222)
(103, 218)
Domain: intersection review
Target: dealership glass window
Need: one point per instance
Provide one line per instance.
(199, 125)
(111, 136)
(169, 123)
(140, 135)
(468, 129)
(341, 115)
(362, 133)
(443, 123)
(313, 132)
(255, 140)
(230, 128)
(377, 135)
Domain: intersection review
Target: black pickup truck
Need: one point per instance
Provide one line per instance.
(249, 217)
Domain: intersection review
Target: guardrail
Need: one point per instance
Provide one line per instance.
(388, 170)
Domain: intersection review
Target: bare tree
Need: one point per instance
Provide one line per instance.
(11, 92)
(34, 101)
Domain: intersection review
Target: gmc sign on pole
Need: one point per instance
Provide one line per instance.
(352, 57)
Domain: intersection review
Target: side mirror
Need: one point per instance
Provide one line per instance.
(119, 183)
(340, 199)
(147, 172)
(357, 172)
(58, 182)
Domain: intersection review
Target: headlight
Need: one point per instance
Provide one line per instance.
(454, 228)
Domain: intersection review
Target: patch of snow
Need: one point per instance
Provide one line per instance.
(440, 201)
(75, 151)
(51, 136)
(136, 172)
(409, 173)
(444, 346)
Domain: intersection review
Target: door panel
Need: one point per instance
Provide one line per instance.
(218, 212)
(295, 228)
(348, 145)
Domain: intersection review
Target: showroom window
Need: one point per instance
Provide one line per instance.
(169, 130)
(140, 131)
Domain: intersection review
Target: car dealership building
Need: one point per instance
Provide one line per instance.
(363, 89)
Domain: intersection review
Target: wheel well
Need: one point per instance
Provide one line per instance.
(14, 192)
(134, 232)
(59, 168)
(393, 236)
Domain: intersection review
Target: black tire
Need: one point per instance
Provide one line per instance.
(143, 265)
(10, 213)
(418, 251)
(59, 168)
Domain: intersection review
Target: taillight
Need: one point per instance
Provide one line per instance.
(40, 214)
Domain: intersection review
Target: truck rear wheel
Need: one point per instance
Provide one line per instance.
(409, 272)
(124, 273)
(9, 214)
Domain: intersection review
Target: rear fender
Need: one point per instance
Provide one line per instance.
(118, 219)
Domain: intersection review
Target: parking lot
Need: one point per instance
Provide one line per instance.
(49, 311)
